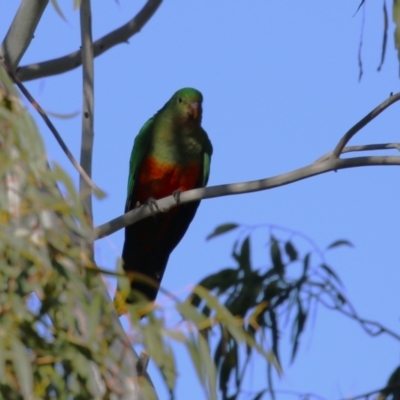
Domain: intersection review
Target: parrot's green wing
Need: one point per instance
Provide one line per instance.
(140, 148)
(208, 150)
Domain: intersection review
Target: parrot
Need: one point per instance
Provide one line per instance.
(171, 154)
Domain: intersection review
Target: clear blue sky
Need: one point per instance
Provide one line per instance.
(280, 82)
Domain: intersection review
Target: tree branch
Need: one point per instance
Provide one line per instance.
(365, 147)
(74, 60)
(366, 324)
(360, 124)
(386, 389)
(88, 105)
(21, 31)
(332, 164)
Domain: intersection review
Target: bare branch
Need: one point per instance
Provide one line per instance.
(364, 147)
(333, 164)
(52, 128)
(21, 31)
(88, 105)
(360, 124)
(272, 391)
(74, 60)
(386, 389)
(372, 328)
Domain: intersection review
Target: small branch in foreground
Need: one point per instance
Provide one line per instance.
(386, 389)
(20, 33)
(88, 105)
(54, 131)
(344, 306)
(360, 124)
(364, 147)
(332, 164)
(74, 60)
(366, 324)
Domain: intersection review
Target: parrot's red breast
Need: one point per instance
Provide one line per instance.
(160, 180)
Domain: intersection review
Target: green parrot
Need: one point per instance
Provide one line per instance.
(171, 154)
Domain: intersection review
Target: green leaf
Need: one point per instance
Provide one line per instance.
(396, 20)
(276, 258)
(159, 350)
(63, 116)
(275, 333)
(228, 366)
(243, 258)
(94, 314)
(2, 359)
(209, 367)
(23, 367)
(291, 251)
(306, 263)
(58, 9)
(221, 280)
(340, 242)
(190, 313)
(260, 394)
(221, 229)
(394, 378)
(298, 327)
(330, 272)
(233, 325)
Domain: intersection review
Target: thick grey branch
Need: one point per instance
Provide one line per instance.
(333, 164)
(74, 60)
(21, 31)
(88, 105)
(366, 120)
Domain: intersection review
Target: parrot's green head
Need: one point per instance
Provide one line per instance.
(186, 105)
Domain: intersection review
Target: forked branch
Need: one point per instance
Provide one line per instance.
(363, 122)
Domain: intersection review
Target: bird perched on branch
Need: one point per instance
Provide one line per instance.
(171, 154)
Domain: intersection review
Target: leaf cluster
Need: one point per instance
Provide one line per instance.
(263, 301)
(47, 350)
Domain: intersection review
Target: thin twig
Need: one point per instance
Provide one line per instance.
(386, 389)
(365, 323)
(88, 105)
(165, 204)
(360, 124)
(364, 147)
(74, 60)
(20, 33)
(54, 131)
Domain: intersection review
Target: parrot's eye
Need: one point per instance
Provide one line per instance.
(179, 99)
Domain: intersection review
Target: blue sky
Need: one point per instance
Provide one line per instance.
(280, 83)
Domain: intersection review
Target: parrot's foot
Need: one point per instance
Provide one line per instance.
(152, 203)
(177, 196)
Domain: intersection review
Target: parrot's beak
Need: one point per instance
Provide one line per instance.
(194, 109)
